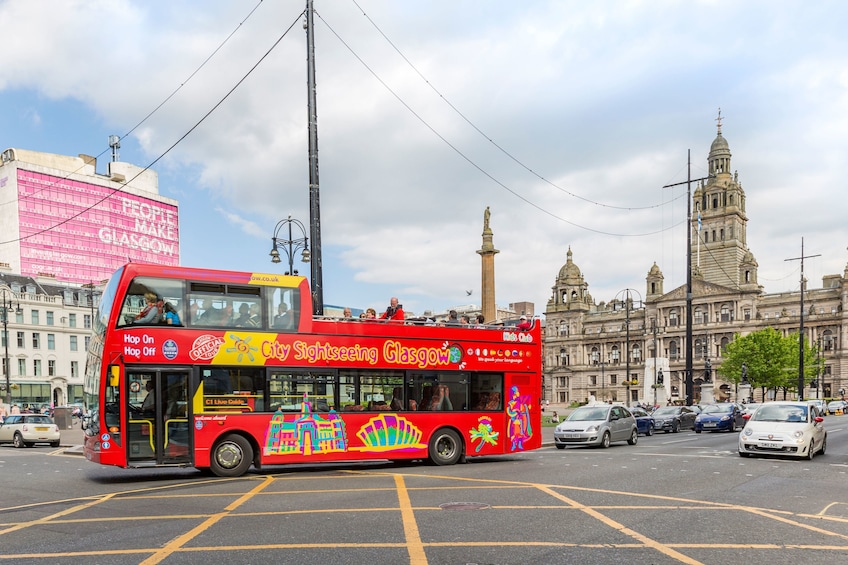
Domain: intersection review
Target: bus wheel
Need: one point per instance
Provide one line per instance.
(445, 447)
(231, 456)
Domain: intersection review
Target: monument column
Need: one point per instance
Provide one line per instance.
(487, 253)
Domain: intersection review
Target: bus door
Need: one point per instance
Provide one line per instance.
(158, 416)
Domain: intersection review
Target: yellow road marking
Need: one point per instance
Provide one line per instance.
(181, 540)
(410, 526)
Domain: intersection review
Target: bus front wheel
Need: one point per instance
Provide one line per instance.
(445, 447)
(231, 456)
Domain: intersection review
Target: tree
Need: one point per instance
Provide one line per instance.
(771, 359)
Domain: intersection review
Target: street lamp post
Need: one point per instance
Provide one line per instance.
(7, 305)
(291, 245)
(627, 300)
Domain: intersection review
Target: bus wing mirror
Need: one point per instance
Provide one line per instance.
(114, 375)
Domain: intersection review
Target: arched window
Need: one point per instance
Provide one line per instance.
(672, 350)
(699, 348)
(563, 357)
(725, 313)
(594, 356)
(614, 354)
(724, 342)
(827, 340)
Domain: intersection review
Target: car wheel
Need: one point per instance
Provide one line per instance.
(697, 431)
(811, 451)
(634, 437)
(743, 454)
(676, 427)
(650, 431)
(54, 443)
(231, 456)
(823, 446)
(18, 440)
(605, 440)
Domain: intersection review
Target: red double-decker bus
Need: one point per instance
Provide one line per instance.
(222, 370)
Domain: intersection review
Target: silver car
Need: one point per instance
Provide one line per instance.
(784, 428)
(597, 425)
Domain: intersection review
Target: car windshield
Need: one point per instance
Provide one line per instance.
(716, 409)
(665, 411)
(638, 413)
(781, 413)
(588, 413)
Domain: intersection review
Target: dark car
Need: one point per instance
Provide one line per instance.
(644, 421)
(724, 416)
(674, 418)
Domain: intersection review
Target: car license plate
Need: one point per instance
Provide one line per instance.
(710, 425)
(572, 436)
(41, 428)
(766, 445)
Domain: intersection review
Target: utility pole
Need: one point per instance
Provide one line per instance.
(801, 329)
(316, 274)
(690, 383)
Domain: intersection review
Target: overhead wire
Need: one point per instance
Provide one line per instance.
(488, 138)
(168, 150)
(471, 161)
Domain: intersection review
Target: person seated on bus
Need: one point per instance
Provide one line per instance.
(170, 316)
(394, 311)
(255, 320)
(210, 316)
(397, 401)
(148, 405)
(284, 318)
(152, 311)
(523, 324)
(243, 315)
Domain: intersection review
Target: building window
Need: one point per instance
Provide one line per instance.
(5, 339)
(613, 379)
(74, 369)
(672, 318)
(51, 341)
(51, 367)
(74, 343)
(637, 353)
(563, 329)
(22, 367)
(747, 315)
(827, 340)
(672, 350)
(86, 321)
(595, 356)
(19, 316)
(35, 317)
(87, 341)
(72, 320)
(593, 380)
(36, 367)
(49, 318)
(614, 355)
(725, 314)
(699, 316)
(36, 340)
(20, 340)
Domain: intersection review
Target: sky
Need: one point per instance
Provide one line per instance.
(565, 118)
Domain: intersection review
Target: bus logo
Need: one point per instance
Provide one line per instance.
(205, 347)
(170, 349)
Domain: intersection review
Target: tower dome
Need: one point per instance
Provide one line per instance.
(570, 273)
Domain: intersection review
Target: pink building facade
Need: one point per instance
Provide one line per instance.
(59, 218)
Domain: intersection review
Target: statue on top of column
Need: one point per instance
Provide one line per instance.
(486, 215)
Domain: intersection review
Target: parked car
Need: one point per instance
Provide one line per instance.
(834, 405)
(596, 425)
(820, 405)
(787, 428)
(725, 416)
(25, 430)
(674, 418)
(644, 421)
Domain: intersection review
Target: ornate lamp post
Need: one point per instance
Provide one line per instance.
(291, 245)
(6, 306)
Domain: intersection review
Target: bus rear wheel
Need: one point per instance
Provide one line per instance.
(231, 456)
(445, 447)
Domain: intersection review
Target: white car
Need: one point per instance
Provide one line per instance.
(787, 428)
(25, 430)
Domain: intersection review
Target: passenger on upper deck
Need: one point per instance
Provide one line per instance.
(152, 312)
(284, 318)
(347, 315)
(452, 319)
(370, 314)
(394, 311)
(523, 324)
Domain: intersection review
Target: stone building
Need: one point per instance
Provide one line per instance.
(632, 349)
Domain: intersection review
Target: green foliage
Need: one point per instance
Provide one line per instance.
(772, 360)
